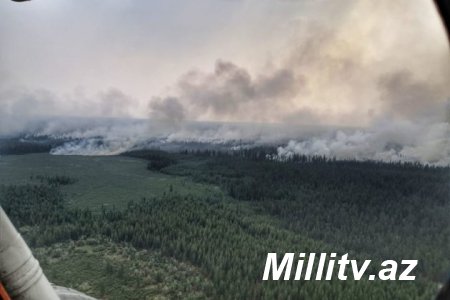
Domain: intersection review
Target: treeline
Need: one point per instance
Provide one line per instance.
(255, 153)
(158, 160)
(27, 145)
(19, 146)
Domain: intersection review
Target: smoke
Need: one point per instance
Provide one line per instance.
(227, 94)
(114, 136)
(21, 109)
(371, 78)
(381, 66)
(169, 109)
(406, 142)
(358, 62)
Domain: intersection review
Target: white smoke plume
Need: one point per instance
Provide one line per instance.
(114, 136)
(405, 142)
(370, 78)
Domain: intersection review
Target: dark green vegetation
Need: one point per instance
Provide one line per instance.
(22, 145)
(157, 160)
(377, 209)
(217, 234)
(17, 146)
(111, 271)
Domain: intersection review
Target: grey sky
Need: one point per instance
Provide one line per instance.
(140, 47)
(305, 61)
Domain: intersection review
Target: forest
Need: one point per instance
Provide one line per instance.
(371, 210)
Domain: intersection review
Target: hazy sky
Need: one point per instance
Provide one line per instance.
(343, 62)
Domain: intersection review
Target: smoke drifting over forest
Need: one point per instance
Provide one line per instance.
(358, 79)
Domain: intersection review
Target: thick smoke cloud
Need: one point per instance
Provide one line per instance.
(227, 94)
(372, 78)
(168, 109)
(372, 68)
(406, 142)
(372, 59)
